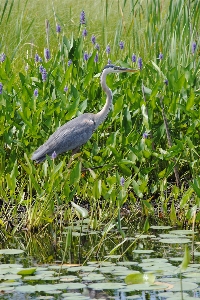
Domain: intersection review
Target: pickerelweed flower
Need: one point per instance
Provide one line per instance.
(121, 45)
(44, 74)
(93, 39)
(122, 181)
(1, 88)
(166, 81)
(84, 33)
(47, 54)
(26, 67)
(35, 92)
(65, 89)
(160, 56)
(2, 57)
(82, 17)
(133, 58)
(96, 58)
(85, 56)
(109, 62)
(69, 62)
(194, 46)
(53, 155)
(108, 49)
(58, 28)
(97, 47)
(37, 58)
(145, 135)
(140, 63)
(41, 68)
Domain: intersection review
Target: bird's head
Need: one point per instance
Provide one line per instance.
(116, 69)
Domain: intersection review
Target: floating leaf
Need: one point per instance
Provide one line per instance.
(143, 251)
(27, 271)
(106, 286)
(140, 278)
(11, 251)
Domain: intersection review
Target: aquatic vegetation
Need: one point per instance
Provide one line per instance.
(150, 136)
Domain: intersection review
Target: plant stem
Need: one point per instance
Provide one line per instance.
(176, 172)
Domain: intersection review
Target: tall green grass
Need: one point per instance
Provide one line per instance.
(141, 101)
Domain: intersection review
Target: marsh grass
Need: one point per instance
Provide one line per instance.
(150, 29)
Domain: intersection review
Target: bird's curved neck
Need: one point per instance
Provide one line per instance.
(101, 116)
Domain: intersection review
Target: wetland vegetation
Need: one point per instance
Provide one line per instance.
(140, 168)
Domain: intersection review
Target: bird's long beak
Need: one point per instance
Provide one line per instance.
(127, 70)
(130, 70)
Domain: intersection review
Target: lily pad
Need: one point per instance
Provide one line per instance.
(175, 241)
(11, 251)
(27, 271)
(160, 227)
(180, 232)
(106, 286)
(143, 251)
(140, 278)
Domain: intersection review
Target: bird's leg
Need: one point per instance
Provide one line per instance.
(74, 151)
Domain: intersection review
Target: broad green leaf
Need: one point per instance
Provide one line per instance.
(186, 259)
(82, 211)
(140, 278)
(27, 271)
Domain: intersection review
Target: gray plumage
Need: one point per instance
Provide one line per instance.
(79, 130)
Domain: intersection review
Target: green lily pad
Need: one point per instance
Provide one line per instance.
(27, 271)
(143, 251)
(140, 278)
(160, 227)
(11, 251)
(175, 241)
(106, 286)
(180, 232)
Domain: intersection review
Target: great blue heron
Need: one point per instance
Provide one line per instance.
(73, 134)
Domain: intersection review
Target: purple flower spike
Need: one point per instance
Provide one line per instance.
(97, 47)
(53, 155)
(65, 89)
(1, 88)
(82, 18)
(35, 93)
(109, 62)
(47, 54)
(166, 82)
(41, 68)
(2, 57)
(69, 62)
(121, 45)
(145, 135)
(108, 49)
(140, 63)
(160, 56)
(93, 39)
(84, 33)
(37, 58)
(133, 58)
(194, 46)
(122, 181)
(58, 28)
(96, 58)
(85, 56)
(44, 74)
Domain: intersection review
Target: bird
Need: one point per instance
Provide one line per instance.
(76, 132)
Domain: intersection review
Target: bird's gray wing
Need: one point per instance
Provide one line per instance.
(71, 135)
